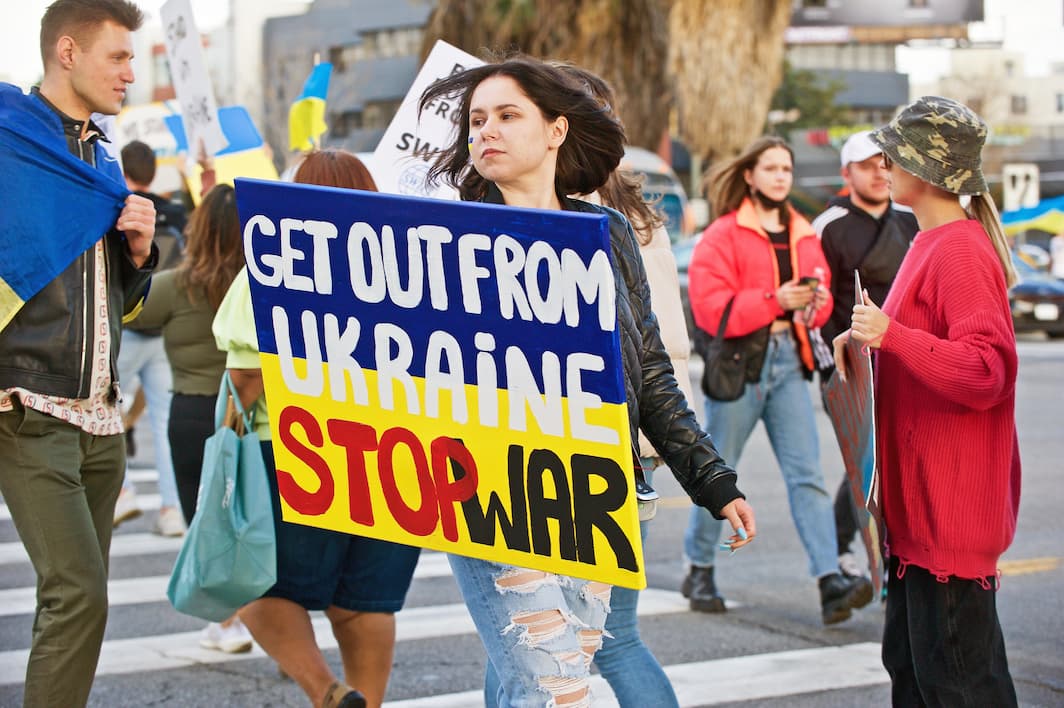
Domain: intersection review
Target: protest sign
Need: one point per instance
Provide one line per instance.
(851, 406)
(445, 374)
(245, 155)
(401, 160)
(188, 71)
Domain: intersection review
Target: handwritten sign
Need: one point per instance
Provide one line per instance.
(851, 406)
(188, 71)
(445, 374)
(401, 160)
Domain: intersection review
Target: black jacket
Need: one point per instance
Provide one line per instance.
(46, 346)
(853, 239)
(656, 405)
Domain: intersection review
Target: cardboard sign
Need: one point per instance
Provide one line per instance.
(851, 406)
(401, 160)
(445, 374)
(188, 71)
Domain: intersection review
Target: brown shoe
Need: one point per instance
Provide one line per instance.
(340, 695)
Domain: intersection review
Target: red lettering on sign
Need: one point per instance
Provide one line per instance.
(302, 500)
(357, 439)
(422, 520)
(448, 492)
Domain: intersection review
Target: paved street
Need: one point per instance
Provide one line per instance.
(769, 649)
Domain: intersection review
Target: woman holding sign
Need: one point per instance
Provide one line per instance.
(529, 135)
(945, 414)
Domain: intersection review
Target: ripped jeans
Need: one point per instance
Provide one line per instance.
(540, 630)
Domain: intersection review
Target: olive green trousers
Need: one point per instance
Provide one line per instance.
(60, 485)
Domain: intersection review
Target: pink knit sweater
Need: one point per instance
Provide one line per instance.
(945, 406)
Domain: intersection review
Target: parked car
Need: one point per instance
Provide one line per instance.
(682, 251)
(662, 188)
(1037, 300)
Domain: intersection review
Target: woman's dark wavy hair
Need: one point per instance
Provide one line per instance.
(592, 149)
(623, 191)
(214, 251)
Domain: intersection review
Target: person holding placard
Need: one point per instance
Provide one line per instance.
(945, 395)
(528, 135)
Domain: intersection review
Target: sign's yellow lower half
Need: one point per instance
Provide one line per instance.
(460, 469)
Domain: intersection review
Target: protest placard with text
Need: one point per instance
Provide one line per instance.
(445, 374)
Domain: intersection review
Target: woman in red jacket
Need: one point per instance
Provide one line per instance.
(945, 415)
(764, 259)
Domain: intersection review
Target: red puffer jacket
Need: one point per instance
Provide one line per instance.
(734, 258)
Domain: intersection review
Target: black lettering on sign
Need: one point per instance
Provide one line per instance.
(542, 508)
(591, 511)
(482, 523)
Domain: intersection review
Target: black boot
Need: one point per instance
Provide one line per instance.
(699, 587)
(841, 594)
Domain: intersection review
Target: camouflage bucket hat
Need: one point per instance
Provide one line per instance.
(940, 141)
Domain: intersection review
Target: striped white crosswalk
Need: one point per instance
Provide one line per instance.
(735, 679)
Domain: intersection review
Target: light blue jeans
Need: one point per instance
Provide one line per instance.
(142, 361)
(539, 630)
(626, 663)
(781, 399)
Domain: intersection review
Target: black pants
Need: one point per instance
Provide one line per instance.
(191, 423)
(845, 516)
(942, 642)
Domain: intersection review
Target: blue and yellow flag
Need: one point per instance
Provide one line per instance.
(53, 206)
(306, 117)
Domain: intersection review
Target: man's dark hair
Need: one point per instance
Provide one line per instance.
(81, 18)
(138, 162)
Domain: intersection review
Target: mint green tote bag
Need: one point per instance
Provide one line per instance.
(229, 556)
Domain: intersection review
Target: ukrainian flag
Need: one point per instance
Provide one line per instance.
(53, 206)
(306, 117)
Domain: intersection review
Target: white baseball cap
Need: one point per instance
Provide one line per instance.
(858, 148)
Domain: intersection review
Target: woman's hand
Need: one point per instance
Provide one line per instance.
(869, 324)
(838, 345)
(794, 296)
(741, 517)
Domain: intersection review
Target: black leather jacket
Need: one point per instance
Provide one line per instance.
(656, 405)
(46, 347)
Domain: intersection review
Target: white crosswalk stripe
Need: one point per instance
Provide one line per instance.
(146, 502)
(742, 678)
(122, 545)
(130, 591)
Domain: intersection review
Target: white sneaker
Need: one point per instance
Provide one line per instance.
(849, 566)
(234, 639)
(126, 507)
(170, 522)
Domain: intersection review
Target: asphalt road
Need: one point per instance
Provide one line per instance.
(769, 649)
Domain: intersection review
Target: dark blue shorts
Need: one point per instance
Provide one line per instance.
(317, 568)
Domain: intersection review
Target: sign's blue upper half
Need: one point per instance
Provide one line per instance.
(546, 257)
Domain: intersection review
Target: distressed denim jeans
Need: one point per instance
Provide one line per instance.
(540, 630)
(780, 399)
(626, 663)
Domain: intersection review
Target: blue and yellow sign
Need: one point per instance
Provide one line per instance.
(446, 375)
